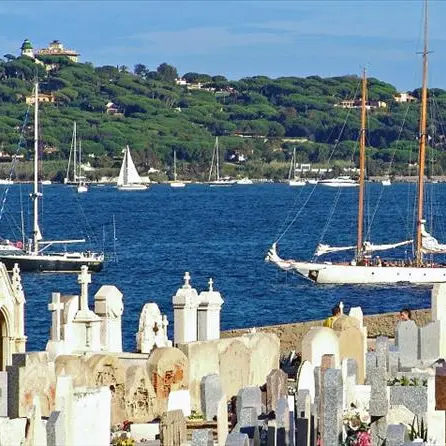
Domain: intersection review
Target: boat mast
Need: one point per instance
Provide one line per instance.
(35, 194)
(174, 165)
(422, 144)
(217, 154)
(75, 152)
(359, 243)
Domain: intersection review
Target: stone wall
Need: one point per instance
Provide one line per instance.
(291, 335)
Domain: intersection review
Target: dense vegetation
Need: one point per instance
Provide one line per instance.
(257, 117)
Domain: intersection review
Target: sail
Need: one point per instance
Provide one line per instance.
(367, 246)
(128, 173)
(430, 245)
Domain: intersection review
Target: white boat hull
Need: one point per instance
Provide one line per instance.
(296, 183)
(82, 189)
(131, 187)
(177, 185)
(340, 274)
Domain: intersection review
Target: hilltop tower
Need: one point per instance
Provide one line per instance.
(27, 49)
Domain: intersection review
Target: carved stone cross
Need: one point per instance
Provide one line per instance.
(84, 279)
(56, 306)
(186, 280)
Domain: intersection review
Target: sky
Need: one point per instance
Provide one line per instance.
(240, 38)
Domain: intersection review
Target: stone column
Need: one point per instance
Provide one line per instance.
(209, 314)
(185, 304)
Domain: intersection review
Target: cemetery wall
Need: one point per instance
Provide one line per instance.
(291, 335)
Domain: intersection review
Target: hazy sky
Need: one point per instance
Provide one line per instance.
(237, 38)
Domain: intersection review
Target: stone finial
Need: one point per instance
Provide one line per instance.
(211, 283)
(56, 306)
(17, 286)
(84, 279)
(186, 280)
(341, 307)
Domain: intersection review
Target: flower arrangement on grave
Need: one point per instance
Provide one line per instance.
(417, 430)
(356, 427)
(406, 381)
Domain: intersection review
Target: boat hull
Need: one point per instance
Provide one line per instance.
(346, 274)
(177, 185)
(131, 187)
(52, 263)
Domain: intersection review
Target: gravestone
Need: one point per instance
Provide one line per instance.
(208, 322)
(413, 397)
(249, 397)
(303, 404)
(211, 393)
(283, 422)
(276, 388)
(247, 422)
(179, 399)
(394, 360)
(306, 379)
(302, 432)
(440, 388)
(317, 342)
(152, 329)
(173, 429)
(381, 351)
(436, 418)
(406, 339)
(3, 394)
(236, 439)
(36, 434)
(430, 336)
(349, 370)
(332, 407)
(396, 434)
(202, 437)
(222, 421)
(55, 429)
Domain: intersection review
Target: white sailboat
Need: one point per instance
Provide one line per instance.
(293, 181)
(129, 178)
(74, 176)
(215, 169)
(341, 181)
(35, 257)
(176, 183)
(386, 182)
(364, 268)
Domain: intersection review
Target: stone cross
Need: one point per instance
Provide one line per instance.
(341, 307)
(186, 280)
(211, 283)
(56, 306)
(84, 279)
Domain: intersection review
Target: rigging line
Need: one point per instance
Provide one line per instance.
(372, 218)
(15, 159)
(297, 215)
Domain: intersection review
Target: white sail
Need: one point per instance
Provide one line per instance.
(430, 244)
(128, 173)
(367, 246)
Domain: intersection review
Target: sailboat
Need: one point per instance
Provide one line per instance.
(293, 181)
(176, 183)
(76, 155)
(33, 257)
(129, 178)
(364, 268)
(215, 166)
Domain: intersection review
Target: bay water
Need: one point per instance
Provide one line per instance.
(152, 237)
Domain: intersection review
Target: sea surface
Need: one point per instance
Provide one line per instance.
(153, 237)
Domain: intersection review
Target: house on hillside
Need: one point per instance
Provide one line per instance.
(112, 109)
(404, 97)
(55, 48)
(356, 103)
(41, 98)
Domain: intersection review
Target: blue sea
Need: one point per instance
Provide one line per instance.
(152, 237)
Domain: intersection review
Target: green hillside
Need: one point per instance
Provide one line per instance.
(257, 118)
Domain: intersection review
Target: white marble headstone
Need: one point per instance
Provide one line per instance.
(305, 378)
(179, 400)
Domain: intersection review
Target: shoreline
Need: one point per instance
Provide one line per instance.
(291, 335)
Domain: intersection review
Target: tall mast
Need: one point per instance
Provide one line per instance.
(422, 143)
(174, 165)
(75, 152)
(217, 154)
(35, 195)
(359, 243)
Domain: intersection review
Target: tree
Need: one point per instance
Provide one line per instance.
(9, 57)
(140, 70)
(167, 72)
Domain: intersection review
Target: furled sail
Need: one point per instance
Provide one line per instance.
(430, 245)
(367, 246)
(326, 249)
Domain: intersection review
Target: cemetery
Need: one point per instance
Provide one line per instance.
(202, 389)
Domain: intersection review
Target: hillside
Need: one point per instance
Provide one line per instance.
(258, 119)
